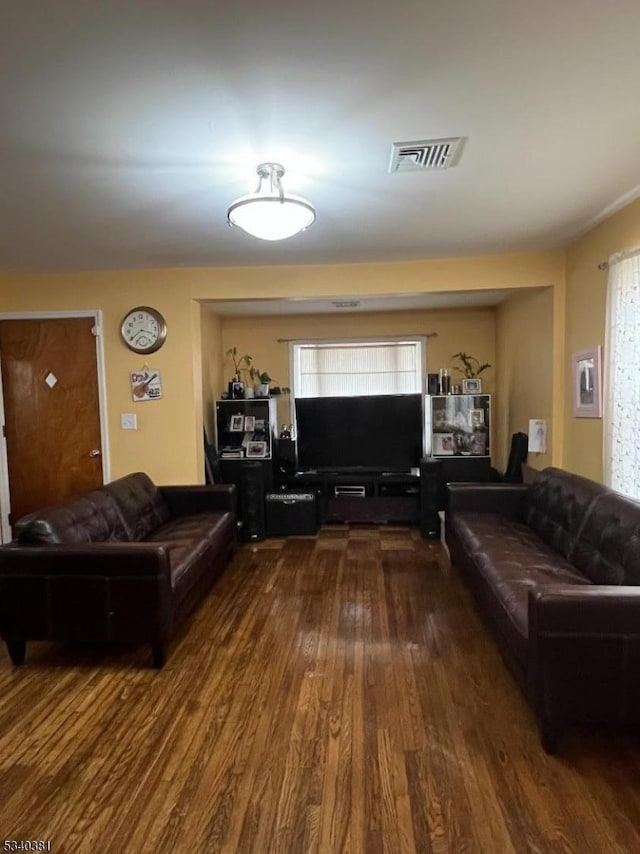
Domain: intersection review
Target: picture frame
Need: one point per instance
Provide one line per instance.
(236, 423)
(587, 383)
(443, 444)
(476, 418)
(249, 423)
(472, 386)
(236, 389)
(257, 450)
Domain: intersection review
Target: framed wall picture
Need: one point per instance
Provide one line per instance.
(249, 423)
(236, 424)
(256, 450)
(473, 386)
(587, 383)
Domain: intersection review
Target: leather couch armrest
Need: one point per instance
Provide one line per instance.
(584, 654)
(502, 498)
(96, 559)
(183, 500)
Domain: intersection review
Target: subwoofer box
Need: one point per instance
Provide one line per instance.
(291, 513)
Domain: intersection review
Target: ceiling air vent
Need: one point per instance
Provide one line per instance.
(425, 154)
(346, 303)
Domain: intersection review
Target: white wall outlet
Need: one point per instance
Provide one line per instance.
(128, 421)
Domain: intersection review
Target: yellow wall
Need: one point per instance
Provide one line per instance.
(524, 360)
(461, 329)
(168, 443)
(212, 367)
(585, 323)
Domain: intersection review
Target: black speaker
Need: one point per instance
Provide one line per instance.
(429, 498)
(252, 492)
(285, 456)
(433, 384)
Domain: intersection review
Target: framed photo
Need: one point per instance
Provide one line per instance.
(236, 389)
(236, 424)
(476, 418)
(443, 444)
(473, 386)
(256, 449)
(249, 423)
(587, 383)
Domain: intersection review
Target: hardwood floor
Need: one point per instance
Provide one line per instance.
(332, 694)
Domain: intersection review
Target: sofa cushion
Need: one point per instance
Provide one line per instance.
(142, 507)
(509, 560)
(188, 538)
(556, 505)
(91, 518)
(607, 549)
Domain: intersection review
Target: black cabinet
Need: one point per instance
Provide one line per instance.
(245, 434)
(363, 497)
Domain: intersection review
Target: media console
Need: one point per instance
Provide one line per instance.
(363, 496)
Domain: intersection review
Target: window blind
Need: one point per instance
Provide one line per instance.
(343, 369)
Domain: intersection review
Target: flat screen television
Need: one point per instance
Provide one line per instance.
(381, 432)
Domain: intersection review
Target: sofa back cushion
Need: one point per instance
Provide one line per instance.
(556, 505)
(142, 507)
(90, 518)
(607, 548)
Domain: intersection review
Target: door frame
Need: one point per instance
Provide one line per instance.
(96, 314)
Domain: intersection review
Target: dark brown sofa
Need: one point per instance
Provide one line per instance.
(555, 569)
(123, 563)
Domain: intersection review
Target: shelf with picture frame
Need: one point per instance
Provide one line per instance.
(458, 425)
(246, 429)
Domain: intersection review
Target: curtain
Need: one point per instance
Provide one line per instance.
(622, 375)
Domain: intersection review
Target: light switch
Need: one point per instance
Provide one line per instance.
(128, 421)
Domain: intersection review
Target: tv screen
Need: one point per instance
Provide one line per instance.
(380, 432)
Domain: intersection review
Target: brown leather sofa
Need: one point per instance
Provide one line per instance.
(123, 563)
(555, 568)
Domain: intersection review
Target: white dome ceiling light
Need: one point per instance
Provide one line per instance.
(268, 213)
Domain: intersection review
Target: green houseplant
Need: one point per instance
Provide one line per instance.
(469, 366)
(262, 380)
(241, 364)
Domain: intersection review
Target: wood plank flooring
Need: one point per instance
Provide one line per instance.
(332, 694)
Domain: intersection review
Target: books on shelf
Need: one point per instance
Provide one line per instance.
(232, 453)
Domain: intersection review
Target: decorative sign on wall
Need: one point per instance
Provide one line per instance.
(146, 385)
(537, 436)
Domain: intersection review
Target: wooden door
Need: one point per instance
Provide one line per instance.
(52, 414)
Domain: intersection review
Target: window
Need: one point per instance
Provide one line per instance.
(351, 369)
(622, 375)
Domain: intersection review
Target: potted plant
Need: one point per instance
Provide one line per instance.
(262, 381)
(241, 367)
(471, 367)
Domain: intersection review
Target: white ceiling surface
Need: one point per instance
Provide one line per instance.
(127, 128)
(345, 305)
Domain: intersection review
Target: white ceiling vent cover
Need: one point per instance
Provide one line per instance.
(425, 154)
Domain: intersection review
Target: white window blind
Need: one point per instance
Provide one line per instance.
(344, 369)
(622, 375)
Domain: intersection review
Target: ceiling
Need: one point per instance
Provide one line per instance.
(129, 127)
(358, 304)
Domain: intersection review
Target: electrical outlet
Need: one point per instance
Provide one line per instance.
(128, 421)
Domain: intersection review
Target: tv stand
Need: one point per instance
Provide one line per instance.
(363, 496)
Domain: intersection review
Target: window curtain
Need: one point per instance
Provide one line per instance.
(349, 369)
(622, 375)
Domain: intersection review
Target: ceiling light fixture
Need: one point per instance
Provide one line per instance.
(268, 213)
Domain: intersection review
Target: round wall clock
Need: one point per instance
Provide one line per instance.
(143, 329)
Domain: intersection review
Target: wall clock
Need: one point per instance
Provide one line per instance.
(143, 329)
